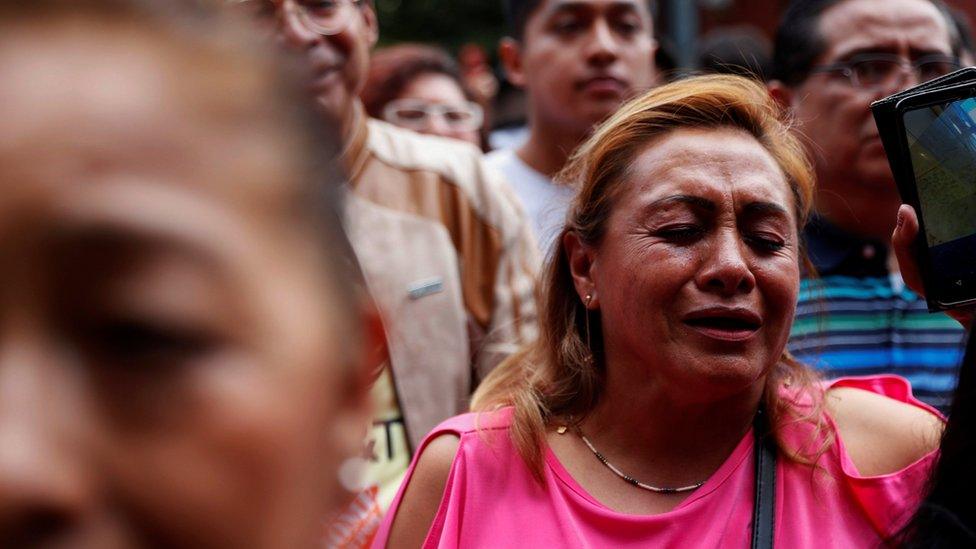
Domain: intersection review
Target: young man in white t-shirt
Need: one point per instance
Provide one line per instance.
(578, 62)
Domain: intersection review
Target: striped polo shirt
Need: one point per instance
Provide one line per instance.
(858, 318)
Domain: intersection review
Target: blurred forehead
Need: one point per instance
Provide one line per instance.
(547, 9)
(548, 6)
(119, 142)
(80, 98)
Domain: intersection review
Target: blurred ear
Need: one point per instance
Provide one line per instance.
(780, 93)
(510, 54)
(581, 259)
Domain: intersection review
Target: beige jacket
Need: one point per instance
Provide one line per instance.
(450, 258)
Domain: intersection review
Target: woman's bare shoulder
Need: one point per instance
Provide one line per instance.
(422, 498)
(882, 435)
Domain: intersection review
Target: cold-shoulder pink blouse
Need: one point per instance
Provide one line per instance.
(492, 499)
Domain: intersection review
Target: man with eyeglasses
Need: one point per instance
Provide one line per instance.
(832, 59)
(447, 253)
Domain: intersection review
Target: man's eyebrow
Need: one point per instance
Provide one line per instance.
(887, 49)
(868, 50)
(916, 53)
(688, 199)
(576, 5)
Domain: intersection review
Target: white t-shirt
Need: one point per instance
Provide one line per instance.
(545, 202)
(508, 138)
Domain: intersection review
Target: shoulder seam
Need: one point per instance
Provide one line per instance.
(483, 196)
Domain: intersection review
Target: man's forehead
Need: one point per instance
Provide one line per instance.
(551, 6)
(883, 25)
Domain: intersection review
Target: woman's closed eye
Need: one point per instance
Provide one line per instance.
(680, 234)
(765, 242)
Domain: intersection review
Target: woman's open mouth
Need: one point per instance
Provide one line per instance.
(724, 324)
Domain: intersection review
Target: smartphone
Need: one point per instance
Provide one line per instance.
(937, 134)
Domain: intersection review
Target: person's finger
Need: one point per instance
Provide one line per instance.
(902, 240)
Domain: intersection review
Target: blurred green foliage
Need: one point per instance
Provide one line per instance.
(449, 23)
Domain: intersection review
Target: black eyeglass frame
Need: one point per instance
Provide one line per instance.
(846, 68)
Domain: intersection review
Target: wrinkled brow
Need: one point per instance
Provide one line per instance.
(765, 208)
(696, 202)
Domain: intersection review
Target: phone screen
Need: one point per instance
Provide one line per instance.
(942, 145)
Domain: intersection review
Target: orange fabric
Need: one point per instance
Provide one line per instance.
(357, 524)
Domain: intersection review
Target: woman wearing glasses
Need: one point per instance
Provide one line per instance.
(420, 88)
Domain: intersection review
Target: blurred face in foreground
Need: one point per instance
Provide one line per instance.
(171, 368)
(697, 274)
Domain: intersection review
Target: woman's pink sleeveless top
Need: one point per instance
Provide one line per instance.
(492, 499)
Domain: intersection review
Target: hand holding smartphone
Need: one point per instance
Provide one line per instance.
(903, 242)
(929, 135)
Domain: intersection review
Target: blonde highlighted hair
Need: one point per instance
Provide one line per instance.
(560, 375)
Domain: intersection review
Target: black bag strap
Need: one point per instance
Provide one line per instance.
(764, 509)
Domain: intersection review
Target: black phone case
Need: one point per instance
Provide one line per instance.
(890, 125)
(888, 117)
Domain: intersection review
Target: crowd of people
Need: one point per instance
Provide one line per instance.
(265, 286)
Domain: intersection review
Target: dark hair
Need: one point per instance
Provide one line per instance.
(965, 31)
(947, 517)
(392, 69)
(736, 50)
(518, 13)
(798, 43)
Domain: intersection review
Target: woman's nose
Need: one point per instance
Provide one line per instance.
(725, 268)
(436, 124)
(43, 493)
